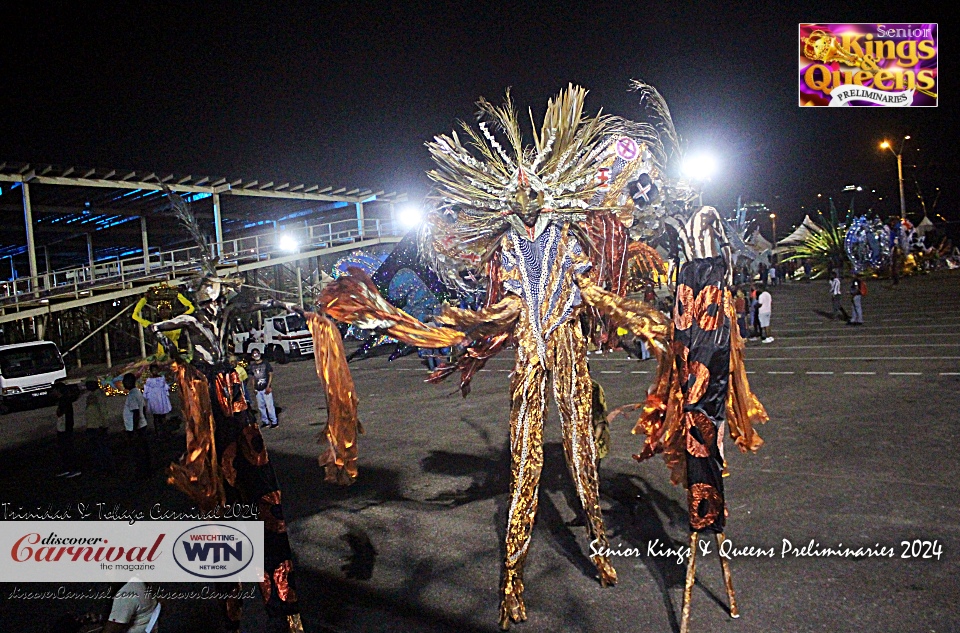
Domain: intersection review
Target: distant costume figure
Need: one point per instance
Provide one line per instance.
(226, 460)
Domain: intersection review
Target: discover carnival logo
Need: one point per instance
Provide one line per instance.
(868, 65)
(213, 551)
(113, 551)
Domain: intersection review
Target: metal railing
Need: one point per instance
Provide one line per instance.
(163, 265)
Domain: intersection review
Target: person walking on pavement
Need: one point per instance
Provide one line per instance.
(156, 391)
(764, 310)
(135, 424)
(858, 289)
(754, 313)
(261, 373)
(64, 396)
(835, 295)
(98, 422)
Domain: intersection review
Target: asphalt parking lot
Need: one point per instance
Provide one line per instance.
(859, 451)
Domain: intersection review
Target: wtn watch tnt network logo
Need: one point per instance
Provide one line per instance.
(213, 551)
(112, 551)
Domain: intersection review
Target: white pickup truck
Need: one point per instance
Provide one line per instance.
(283, 337)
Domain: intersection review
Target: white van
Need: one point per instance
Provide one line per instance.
(283, 338)
(27, 371)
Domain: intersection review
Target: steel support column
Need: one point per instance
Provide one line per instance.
(28, 220)
(218, 223)
(146, 244)
(360, 218)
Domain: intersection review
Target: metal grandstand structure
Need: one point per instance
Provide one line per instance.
(97, 238)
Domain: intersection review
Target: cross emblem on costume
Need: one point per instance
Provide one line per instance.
(644, 189)
(603, 178)
(627, 149)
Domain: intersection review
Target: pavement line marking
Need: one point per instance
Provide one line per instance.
(404, 369)
(751, 372)
(819, 373)
(786, 373)
(832, 346)
(505, 370)
(870, 328)
(859, 373)
(905, 373)
(639, 372)
(606, 371)
(950, 373)
(753, 359)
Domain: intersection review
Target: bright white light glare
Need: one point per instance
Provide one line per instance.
(288, 243)
(409, 216)
(700, 167)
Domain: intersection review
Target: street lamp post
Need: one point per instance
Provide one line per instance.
(899, 155)
(773, 222)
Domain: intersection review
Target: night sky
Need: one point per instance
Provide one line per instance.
(345, 93)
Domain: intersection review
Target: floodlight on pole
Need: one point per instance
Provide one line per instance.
(288, 243)
(409, 216)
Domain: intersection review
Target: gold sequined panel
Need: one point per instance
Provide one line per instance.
(197, 473)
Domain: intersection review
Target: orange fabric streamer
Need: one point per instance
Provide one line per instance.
(743, 407)
(339, 460)
(197, 473)
(354, 298)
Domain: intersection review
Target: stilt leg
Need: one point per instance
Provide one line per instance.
(728, 580)
(688, 586)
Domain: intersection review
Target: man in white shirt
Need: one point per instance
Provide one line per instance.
(835, 295)
(134, 610)
(766, 307)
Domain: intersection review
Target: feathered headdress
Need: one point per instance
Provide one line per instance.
(576, 168)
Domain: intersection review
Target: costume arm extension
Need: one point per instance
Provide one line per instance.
(186, 303)
(641, 319)
(354, 299)
(137, 316)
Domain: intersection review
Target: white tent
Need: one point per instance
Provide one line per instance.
(759, 242)
(925, 226)
(807, 227)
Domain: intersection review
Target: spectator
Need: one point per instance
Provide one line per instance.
(134, 424)
(835, 295)
(740, 307)
(261, 373)
(98, 423)
(156, 391)
(134, 609)
(754, 313)
(65, 396)
(762, 269)
(807, 268)
(243, 376)
(764, 310)
(858, 289)
(772, 276)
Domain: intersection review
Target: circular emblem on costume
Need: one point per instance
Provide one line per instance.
(706, 504)
(627, 149)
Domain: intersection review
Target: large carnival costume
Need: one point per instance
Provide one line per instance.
(226, 460)
(547, 225)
